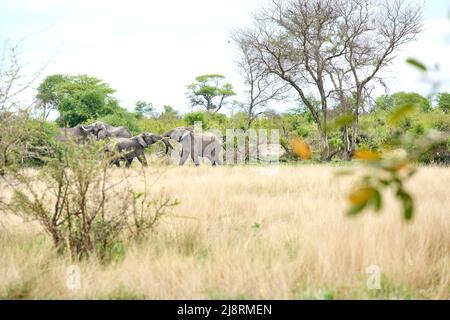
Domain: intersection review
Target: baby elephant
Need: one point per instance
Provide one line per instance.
(130, 148)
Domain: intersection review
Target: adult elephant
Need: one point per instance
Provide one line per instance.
(79, 133)
(196, 145)
(103, 130)
(127, 149)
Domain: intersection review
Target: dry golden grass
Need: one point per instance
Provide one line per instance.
(245, 232)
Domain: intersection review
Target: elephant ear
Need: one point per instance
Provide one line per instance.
(141, 141)
(102, 133)
(185, 134)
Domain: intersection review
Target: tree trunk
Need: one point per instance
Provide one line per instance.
(324, 146)
(354, 134)
(249, 121)
(347, 147)
(355, 125)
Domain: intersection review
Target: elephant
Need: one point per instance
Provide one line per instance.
(129, 148)
(103, 130)
(80, 133)
(196, 144)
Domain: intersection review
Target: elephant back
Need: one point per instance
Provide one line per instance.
(121, 132)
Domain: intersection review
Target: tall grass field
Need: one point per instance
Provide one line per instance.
(246, 232)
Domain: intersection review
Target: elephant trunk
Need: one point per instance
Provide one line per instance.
(165, 140)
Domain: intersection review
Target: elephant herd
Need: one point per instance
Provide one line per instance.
(129, 147)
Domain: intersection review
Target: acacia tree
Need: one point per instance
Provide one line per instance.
(210, 92)
(299, 41)
(262, 87)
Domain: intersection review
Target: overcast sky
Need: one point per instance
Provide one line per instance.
(150, 50)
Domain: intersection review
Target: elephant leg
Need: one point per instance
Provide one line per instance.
(143, 160)
(211, 158)
(214, 156)
(116, 163)
(129, 161)
(195, 152)
(184, 156)
(194, 157)
(217, 158)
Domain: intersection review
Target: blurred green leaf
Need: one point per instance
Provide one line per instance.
(408, 204)
(417, 64)
(377, 200)
(354, 210)
(401, 113)
(340, 122)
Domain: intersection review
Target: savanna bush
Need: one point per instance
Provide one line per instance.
(376, 134)
(25, 141)
(84, 211)
(159, 126)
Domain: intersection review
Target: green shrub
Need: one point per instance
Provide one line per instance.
(209, 120)
(159, 126)
(122, 118)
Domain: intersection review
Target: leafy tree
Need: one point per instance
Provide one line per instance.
(402, 98)
(169, 113)
(144, 109)
(123, 118)
(209, 120)
(443, 102)
(398, 99)
(77, 98)
(47, 96)
(210, 92)
(384, 102)
(193, 117)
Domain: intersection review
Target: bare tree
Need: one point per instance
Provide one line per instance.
(343, 96)
(376, 30)
(262, 87)
(296, 40)
(14, 82)
(300, 41)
